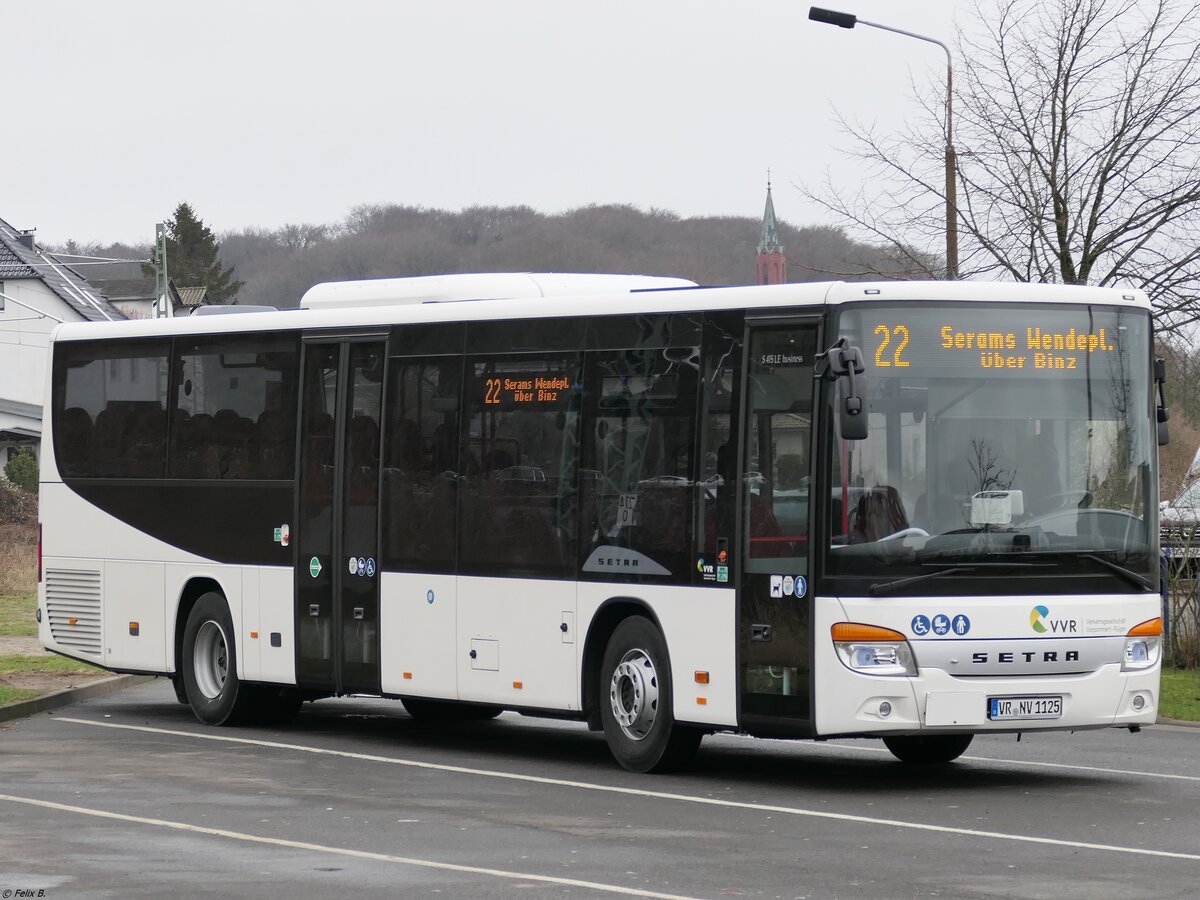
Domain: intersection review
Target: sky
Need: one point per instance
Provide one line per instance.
(261, 113)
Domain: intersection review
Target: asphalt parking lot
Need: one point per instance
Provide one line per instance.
(127, 795)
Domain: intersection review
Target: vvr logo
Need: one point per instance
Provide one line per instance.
(1040, 621)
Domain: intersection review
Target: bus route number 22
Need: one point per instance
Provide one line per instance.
(898, 333)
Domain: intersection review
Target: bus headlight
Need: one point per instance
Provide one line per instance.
(872, 650)
(1142, 646)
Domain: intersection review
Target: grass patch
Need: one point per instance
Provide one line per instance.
(14, 695)
(18, 557)
(16, 614)
(1180, 694)
(18, 662)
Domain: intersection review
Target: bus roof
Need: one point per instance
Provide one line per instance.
(478, 286)
(616, 301)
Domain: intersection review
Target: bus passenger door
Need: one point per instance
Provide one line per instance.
(775, 591)
(337, 545)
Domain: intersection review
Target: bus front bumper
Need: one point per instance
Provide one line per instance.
(935, 701)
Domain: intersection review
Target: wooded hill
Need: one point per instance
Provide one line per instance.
(391, 241)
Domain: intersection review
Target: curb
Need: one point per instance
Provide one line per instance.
(70, 695)
(1178, 723)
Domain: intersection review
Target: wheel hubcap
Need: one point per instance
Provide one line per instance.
(211, 660)
(633, 694)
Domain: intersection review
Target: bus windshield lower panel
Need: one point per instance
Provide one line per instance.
(1011, 449)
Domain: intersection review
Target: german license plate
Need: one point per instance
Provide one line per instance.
(1008, 708)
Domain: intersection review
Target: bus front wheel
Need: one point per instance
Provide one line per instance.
(215, 693)
(928, 748)
(635, 702)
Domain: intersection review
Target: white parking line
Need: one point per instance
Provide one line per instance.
(344, 851)
(638, 792)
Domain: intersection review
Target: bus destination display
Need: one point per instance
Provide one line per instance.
(899, 340)
(511, 390)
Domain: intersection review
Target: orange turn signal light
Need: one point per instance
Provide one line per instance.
(408, 676)
(701, 678)
(518, 685)
(853, 631)
(1149, 628)
(702, 701)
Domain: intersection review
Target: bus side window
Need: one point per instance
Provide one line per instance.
(113, 396)
(638, 463)
(420, 477)
(722, 360)
(234, 410)
(518, 465)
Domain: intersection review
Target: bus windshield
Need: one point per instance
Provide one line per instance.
(1010, 449)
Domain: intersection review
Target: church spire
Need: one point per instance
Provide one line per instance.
(769, 241)
(772, 262)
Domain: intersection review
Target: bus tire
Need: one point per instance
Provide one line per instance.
(447, 710)
(928, 748)
(635, 702)
(215, 693)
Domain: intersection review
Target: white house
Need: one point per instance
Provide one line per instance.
(37, 291)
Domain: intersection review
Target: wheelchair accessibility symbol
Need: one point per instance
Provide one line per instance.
(920, 626)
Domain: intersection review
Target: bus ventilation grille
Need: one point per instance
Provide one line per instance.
(73, 608)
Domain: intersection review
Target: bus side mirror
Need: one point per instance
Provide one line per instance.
(1162, 414)
(839, 363)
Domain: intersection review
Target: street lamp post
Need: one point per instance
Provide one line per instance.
(848, 20)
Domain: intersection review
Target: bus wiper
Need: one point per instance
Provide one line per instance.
(889, 587)
(1132, 577)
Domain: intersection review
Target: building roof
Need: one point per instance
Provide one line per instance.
(117, 289)
(769, 241)
(191, 297)
(12, 266)
(20, 257)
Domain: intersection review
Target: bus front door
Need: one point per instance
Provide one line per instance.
(775, 592)
(337, 547)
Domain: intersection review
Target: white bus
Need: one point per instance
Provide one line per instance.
(909, 511)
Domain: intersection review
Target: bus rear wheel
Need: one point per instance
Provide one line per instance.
(928, 748)
(635, 702)
(215, 693)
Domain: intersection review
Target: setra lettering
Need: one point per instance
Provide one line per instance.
(1006, 656)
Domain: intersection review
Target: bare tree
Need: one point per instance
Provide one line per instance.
(1077, 124)
(302, 236)
(986, 474)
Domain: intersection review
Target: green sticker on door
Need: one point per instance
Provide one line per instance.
(314, 567)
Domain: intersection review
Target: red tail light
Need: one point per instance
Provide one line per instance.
(39, 552)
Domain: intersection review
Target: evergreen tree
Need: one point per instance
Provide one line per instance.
(22, 470)
(192, 257)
